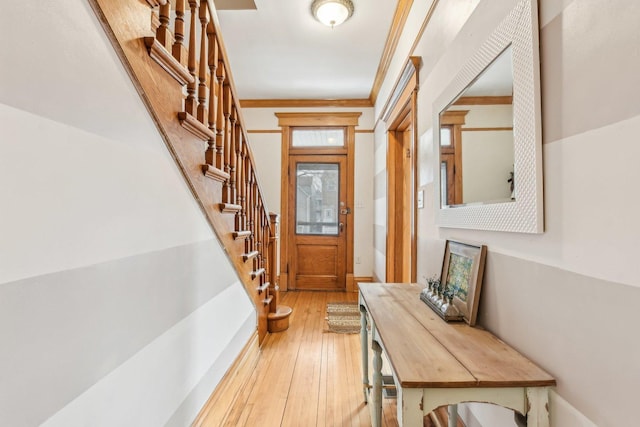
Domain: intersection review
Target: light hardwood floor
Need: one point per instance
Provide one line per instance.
(307, 376)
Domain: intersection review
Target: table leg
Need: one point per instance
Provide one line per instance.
(409, 407)
(538, 404)
(377, 385)
(364, 344)
(453, 415)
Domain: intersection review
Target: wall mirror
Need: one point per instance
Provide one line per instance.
(487, 133)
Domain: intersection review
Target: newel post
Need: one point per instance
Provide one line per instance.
(274, 250)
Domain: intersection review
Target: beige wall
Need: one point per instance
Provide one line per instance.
(552, 295)
(266, 148)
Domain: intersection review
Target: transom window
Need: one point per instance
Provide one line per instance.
(318, 137)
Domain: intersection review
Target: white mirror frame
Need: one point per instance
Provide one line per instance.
(525, 214)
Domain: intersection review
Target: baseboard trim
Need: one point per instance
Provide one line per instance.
(216, 410)
(360, 279)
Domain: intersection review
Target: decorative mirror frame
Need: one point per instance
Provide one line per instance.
(525, 214)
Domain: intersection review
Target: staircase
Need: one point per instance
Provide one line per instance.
(177, 61)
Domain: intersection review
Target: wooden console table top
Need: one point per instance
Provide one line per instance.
(437, 364)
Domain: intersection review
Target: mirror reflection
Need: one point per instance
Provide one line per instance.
(476, 139)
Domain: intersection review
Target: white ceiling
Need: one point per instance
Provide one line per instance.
(279, 51)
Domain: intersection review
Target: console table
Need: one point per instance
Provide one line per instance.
(435, 363)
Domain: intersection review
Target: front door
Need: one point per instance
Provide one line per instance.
(317, 192)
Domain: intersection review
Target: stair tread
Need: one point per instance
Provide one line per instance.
(230, 208)
(258, 272)
(195, 126)
(214, 173)
(241, 234)
(164, 58)
(249, 255)
(263, 287)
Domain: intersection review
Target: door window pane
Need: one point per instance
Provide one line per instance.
(317, 137)
(317, 191)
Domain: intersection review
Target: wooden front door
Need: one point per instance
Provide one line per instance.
(318, 209)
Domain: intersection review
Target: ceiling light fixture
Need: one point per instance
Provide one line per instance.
(332, 12)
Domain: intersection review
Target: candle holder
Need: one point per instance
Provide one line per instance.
(440, 300)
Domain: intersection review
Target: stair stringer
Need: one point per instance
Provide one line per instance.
(127, 23)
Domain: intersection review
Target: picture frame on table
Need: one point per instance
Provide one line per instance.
(462, 272)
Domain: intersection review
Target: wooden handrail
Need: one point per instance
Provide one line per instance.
(211, 93)
(236, 98)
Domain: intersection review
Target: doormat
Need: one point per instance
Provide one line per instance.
(343, 317)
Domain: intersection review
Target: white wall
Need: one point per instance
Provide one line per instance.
(267, 151)
(117, 304)
(64, 195)
(543, 293)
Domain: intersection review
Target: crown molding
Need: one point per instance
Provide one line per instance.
(305, 103)
(397, 26)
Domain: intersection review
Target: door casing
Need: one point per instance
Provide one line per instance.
(400, 114)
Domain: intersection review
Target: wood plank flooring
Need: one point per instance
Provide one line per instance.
(307, 376)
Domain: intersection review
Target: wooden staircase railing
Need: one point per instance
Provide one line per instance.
(178, 63)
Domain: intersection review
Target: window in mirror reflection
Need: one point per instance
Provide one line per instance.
(445, 136)
(476, 133)
(450, 157)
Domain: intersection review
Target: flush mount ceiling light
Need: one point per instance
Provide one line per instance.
(332, 12)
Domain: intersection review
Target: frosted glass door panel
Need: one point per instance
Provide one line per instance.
(317, 204)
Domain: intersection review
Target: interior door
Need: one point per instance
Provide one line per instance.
(318, 208)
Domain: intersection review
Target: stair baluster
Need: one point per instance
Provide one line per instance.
(202, 69)
(252, 211)
(210, 154)
(221, 74)
(163, 35)
(191, 103)
(226, 192)
(178, 50)
(245, 187)
(240, 178)
(233, 144)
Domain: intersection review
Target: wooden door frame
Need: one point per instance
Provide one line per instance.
(287, 121)
(400, 113)
(454, 119)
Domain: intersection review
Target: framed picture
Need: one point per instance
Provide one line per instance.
(462, 272)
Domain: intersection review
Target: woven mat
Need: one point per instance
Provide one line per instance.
(343, 317)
